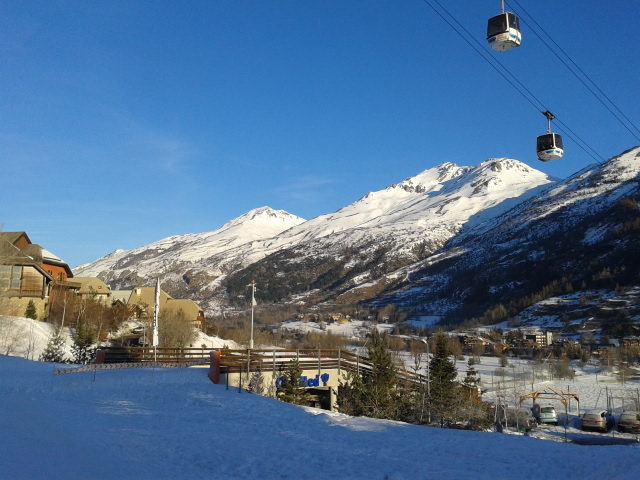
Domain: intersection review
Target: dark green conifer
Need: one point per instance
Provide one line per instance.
(54, 351)
(30, 311)
(444, 390)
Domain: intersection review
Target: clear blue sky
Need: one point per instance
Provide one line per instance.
(123, 122)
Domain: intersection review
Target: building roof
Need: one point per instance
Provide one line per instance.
(13, 237)
(32, 250)
(9, 250)
(92, 285)
(189, 307)
(120, 296)
(145, 297)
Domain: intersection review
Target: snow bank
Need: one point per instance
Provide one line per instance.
(174, 423)
(23, 337)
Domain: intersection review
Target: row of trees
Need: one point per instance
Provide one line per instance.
(92, 320)
(441, 400)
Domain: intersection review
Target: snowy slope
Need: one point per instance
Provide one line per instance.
(588, 190)
(568, 229)
(174, 423)
(428, 208)
(431, 205)
(263, 222)
(27, 338)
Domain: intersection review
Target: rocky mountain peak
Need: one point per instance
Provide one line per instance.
(266, 215)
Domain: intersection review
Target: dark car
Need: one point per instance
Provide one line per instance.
(629, 422)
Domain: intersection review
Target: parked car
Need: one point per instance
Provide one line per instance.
(545, 414)
(629, 422)
(599, 420)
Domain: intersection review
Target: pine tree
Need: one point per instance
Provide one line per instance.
(372, 393)
(30, 311)
(381, 398)
(54, 351)
(291, 390)
(351, 396)
(82, 348)
(256, 383)
(444, 394)
(472, 379)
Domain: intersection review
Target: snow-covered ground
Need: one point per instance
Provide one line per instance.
(349, 329)
(174, 423)
(23, 337)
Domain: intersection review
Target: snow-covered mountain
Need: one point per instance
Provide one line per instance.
(580, 233)
(406, 221)
(175, 258)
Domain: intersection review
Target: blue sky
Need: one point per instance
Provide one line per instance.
(123, 122)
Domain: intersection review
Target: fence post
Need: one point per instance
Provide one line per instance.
(101, 356)
(339, 362)
(274, 361)
(248, 362)
(319, 359)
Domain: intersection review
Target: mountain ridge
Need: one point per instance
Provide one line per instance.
(425, 209)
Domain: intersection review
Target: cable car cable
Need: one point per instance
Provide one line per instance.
(578, 68)
(587, 86)
(535, 102)
(532, 99)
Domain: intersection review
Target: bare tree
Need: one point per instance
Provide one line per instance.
(30, 345)
(175, 329)
(10, 335)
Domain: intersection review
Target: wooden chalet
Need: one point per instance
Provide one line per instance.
(28, 272)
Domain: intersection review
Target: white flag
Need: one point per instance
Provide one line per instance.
(156, 310)
(253, 295)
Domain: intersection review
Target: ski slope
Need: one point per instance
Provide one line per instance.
(174, 423)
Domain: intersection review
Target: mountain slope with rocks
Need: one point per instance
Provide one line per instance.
(577, 234)
(357, 244)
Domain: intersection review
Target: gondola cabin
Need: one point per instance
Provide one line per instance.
(503, 32)
(549, 147)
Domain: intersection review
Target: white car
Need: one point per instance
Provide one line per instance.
(545, 414)
(599, 420)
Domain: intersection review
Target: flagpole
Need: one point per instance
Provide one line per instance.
(156, 310)
(253, 306)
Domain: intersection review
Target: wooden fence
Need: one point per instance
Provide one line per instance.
(246, 360)
(187, 356)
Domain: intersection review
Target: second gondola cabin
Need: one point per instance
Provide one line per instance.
(503, 32)
(549, 147)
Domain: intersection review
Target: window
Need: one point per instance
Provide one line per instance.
(5, 275)
(10, 277)
(16, 276)
(545, 142)
(497, 25)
